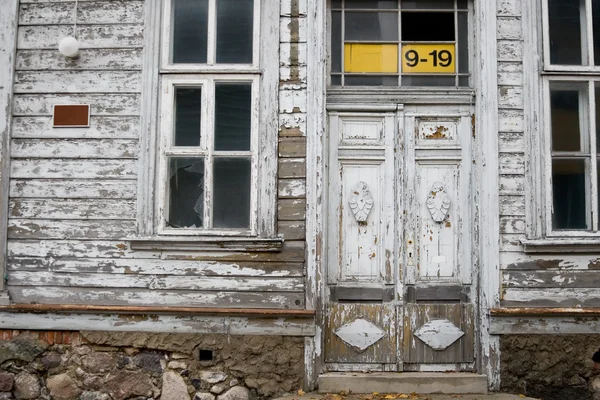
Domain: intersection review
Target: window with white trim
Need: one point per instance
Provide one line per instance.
(217, 142)
(400, 43)
(571, 87)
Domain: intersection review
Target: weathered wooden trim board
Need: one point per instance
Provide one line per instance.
(532, 325)
(8, 29)
(159, 323)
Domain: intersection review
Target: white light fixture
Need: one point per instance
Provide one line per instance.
(69, 47)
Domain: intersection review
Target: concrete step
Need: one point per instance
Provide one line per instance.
(403, 382)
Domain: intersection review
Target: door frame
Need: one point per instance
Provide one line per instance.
(486, 246)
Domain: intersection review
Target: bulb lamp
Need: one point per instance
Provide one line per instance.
(69, 47)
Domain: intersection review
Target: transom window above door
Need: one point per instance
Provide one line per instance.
(400, 43)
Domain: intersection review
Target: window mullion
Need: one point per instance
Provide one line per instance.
(593, 153)
(211, 45)
(400, 43)
(589, 33)
(546, 33)
(343, 38)
(456, 62)
(254, 145)
(208, 163)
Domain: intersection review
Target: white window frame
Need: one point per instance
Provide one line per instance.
(157, 124)
(211, 65)
(205, 149)
(588, 138)
(538, 74)
(471, 74)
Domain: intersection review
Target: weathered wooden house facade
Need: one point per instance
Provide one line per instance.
(342, 185)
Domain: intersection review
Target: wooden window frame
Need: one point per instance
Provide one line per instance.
(205, 149)
(584, 75)
(538, 75)
(159, 76)
(211, 65)
(457, 75)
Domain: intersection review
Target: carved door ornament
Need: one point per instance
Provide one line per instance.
(438, 202)
(361, 202)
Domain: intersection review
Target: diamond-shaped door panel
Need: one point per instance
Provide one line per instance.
(360, 334)
(439, 334)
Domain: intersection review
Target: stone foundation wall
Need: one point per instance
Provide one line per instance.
(549, 367)
(120, 366)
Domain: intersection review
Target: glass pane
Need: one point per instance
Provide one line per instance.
(463, 81)
(231, 193)
(462, 4)
(380, 4)
(412, 80)
(336, 80)
(234, 31)
(363, 57)
(186, 192)
(427, 4)
(596, 27)
(370, 80)
(371, 26)
(564, 109)
(187, 116)
(336, 42)
(413, 23)
(463, 42)
(336, 4)
(565, 31)
(190, 26)
(233, 116)
(569, 194)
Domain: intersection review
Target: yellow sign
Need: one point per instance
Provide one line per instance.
(366, 57)
(429, 58)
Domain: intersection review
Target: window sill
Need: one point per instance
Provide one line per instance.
(208, 243)
(566, 245)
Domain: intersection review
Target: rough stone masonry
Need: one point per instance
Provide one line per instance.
(120, 366)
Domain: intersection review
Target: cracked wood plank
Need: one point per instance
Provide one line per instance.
(118, 296)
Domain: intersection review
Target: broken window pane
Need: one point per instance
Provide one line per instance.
(231, 202)
(565, 109)
(186, 192)
(235, 19)
(569, 194)
(565, 31)
(190, 27)
(187, 116)
(233, 116)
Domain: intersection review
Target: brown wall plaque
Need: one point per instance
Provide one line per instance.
(71, 115)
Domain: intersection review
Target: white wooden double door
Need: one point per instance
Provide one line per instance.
(400, 204)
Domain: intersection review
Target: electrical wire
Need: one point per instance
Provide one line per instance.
(75, 20)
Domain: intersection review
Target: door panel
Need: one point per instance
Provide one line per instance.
(368, 332)
(361, 198)
(441, 318)
(437, 208)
